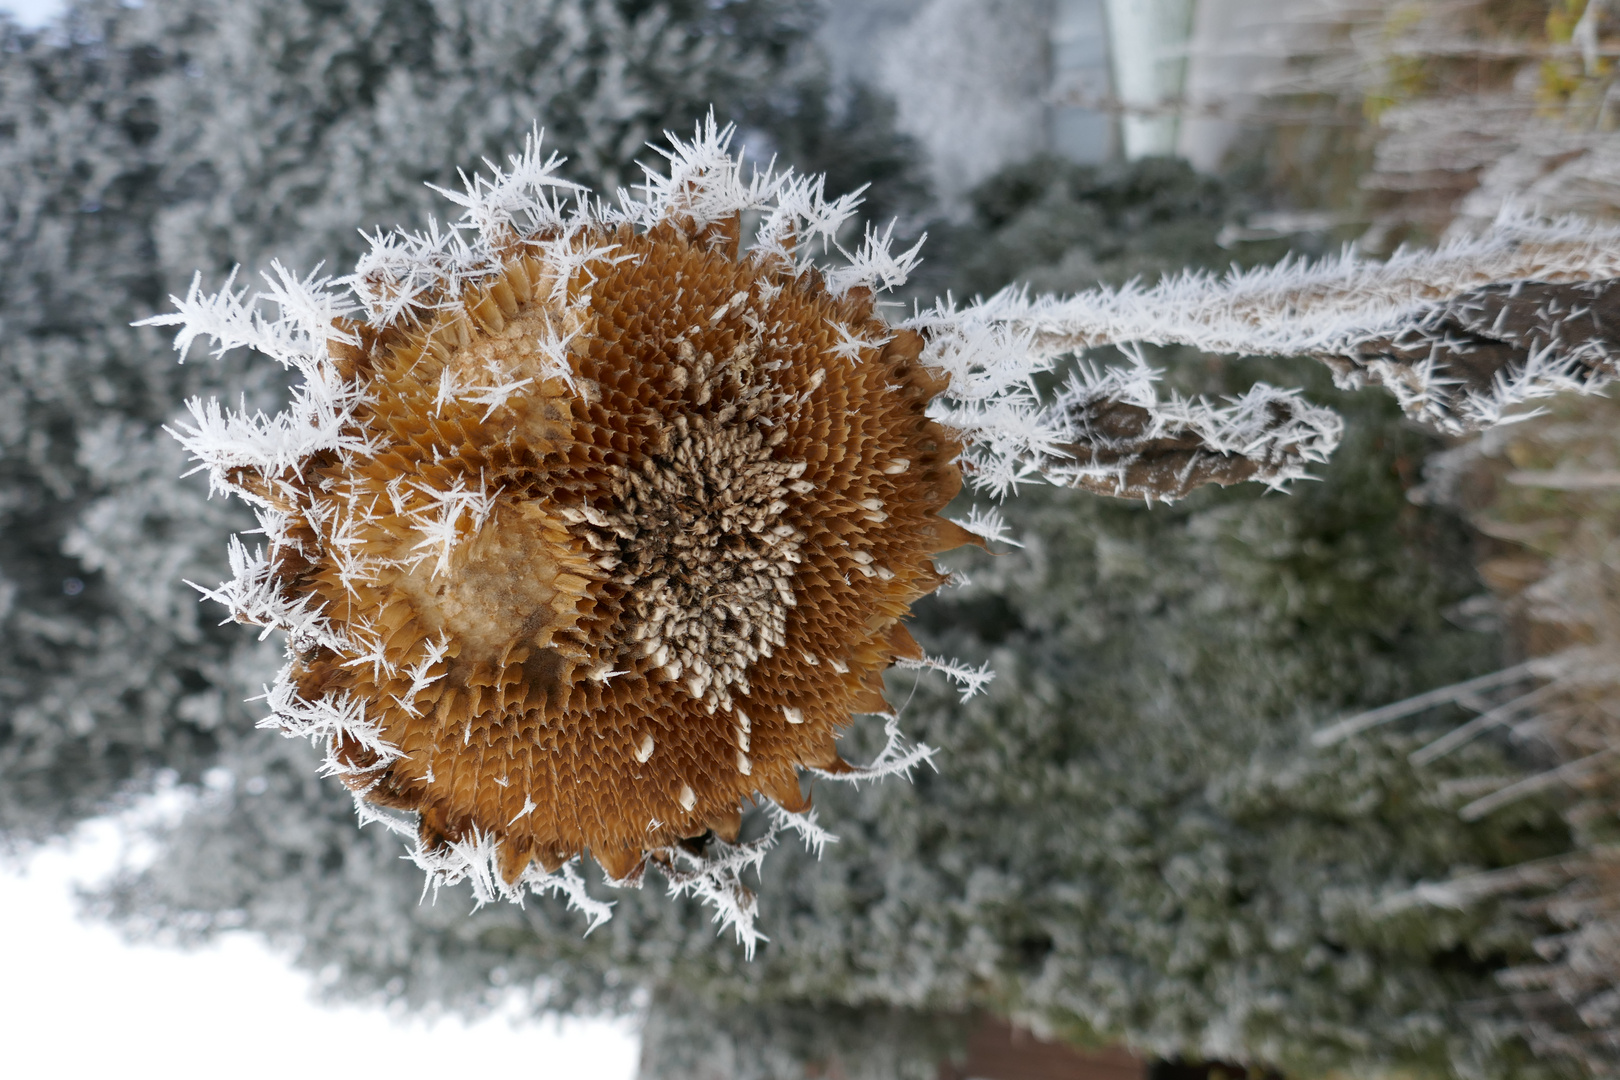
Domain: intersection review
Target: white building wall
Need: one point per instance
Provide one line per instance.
(981, 84)
(1082, 127)
(1238, 51)
(1148, 41)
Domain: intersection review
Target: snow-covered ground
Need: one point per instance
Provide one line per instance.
(77, 1001)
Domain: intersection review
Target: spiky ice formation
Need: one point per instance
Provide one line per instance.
(1459, 334)
(586, 525)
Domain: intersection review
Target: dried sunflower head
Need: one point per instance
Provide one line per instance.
(633, 542)
(587, 526)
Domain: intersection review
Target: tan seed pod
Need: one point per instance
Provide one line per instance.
(645, 569)
(603, 535)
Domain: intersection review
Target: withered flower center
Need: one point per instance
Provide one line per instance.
(696, 533)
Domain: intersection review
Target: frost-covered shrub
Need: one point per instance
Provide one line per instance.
(686, 1038)
(1063, 228)
(1546, 494)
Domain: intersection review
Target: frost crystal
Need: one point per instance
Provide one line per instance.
(1525, 310)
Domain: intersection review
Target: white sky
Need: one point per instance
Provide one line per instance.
(31, 12)
(76, 1001)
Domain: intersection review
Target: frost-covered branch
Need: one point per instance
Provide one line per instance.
(1459, 333)
(1125, 441)
(1461, 363)
(1298, 307)
(969, 682)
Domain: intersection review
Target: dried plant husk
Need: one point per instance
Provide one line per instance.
(687, 547)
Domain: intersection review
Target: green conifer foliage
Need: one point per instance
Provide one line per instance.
(1061, 228)
(105, 670)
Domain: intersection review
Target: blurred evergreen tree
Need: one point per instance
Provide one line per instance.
(1054, 226)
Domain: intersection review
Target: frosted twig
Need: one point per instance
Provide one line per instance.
(716, 879)
(1123, 440)
(899, 756)
(1458, 333)
(815, 837)
(969, 681)
(1355, 725)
